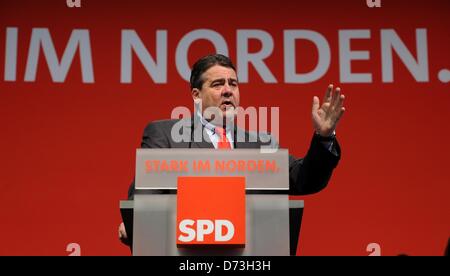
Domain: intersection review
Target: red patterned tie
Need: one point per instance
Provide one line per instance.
(223, 141)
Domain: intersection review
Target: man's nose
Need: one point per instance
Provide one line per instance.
(227, 91)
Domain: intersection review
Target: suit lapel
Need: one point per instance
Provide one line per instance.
(243, 140)
(205, 143)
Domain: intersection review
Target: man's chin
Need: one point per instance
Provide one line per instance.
(226, 118)
(224, 115)
(229, 114)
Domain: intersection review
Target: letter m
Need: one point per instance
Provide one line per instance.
(79, 39)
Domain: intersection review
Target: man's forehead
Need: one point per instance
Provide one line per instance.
(219, 72)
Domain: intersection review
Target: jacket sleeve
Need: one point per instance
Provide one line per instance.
(311, 174)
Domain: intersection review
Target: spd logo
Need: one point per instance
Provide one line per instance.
(211, 211)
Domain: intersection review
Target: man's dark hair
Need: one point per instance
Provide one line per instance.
(206, 62)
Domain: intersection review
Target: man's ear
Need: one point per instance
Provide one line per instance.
(195, 93)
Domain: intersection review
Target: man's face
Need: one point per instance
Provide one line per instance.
(220, 89)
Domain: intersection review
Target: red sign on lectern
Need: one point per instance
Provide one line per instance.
(211, 211)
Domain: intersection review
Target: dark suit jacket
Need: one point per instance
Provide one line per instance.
(306, 175)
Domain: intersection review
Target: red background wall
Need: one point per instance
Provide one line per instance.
(67, 149)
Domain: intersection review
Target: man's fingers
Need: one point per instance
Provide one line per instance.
(316, 104)
(335, 97)
(341, 112)
(122, 232)
(340, 102)
(328, 94)
(338, 109)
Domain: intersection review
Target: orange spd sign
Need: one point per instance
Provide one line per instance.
(211, 211)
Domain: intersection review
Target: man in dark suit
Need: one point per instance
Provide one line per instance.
(214, 85)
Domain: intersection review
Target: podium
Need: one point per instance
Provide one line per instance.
(272, 221)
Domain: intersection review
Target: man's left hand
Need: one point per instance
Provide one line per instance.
(326, 117)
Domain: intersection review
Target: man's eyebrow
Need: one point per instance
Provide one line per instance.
(222, 80)
(218, 80)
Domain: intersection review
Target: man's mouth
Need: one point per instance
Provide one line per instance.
(227, 104)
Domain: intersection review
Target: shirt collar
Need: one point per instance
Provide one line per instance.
(207, 124)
